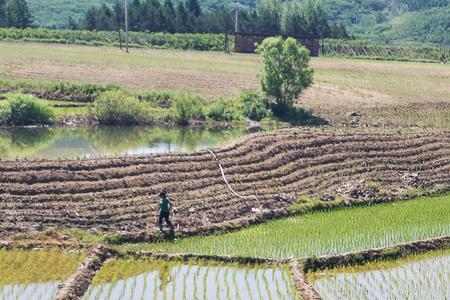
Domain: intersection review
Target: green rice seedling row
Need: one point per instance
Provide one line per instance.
(326, 233)
(417, 277)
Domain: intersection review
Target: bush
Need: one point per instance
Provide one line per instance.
(21, 109)
(188, 107)
(117, 107)
(255, 107)
(286, 72)
(226, 110)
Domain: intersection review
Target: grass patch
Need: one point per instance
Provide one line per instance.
(323, 233)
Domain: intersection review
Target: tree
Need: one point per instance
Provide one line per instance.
(286, 72)
(2, 14)
(293, 21)
(182, 18)
(194, 8)
(269, 16)
(17, 14)
(169, 16)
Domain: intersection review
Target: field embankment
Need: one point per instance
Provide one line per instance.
(119, 194)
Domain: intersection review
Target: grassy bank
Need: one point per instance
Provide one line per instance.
(325, 233)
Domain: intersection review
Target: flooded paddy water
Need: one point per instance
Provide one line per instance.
(35, 274)
(148, 279)
(69, 143)
(417, 277)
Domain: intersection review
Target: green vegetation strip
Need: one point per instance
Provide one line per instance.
(24, 266)
(427, 277)
(325, 233)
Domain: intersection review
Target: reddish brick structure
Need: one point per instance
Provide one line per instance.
(246, 42)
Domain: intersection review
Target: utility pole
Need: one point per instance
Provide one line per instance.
(126, 25)
(236, 22)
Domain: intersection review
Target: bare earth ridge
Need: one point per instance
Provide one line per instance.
(120, 194)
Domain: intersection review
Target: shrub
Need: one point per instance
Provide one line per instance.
(117, 107)
(255, 107)
(21, 109)
(188, 107)
(226, 110)
(285, 72)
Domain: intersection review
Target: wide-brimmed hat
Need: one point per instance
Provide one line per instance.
(163, 193)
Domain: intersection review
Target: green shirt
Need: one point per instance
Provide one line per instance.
(164, 205)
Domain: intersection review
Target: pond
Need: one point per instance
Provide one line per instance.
(68, 143)
(147, 279)
(416, 277)
(35, 274)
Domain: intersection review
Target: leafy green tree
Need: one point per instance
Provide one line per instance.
(194, 8)
(269, 16)
(2, 14)
(286, 72)
(17, 14)
(182, 18)
(293, 21)
(170, 16)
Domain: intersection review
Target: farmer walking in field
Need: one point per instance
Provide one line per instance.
(164, 205)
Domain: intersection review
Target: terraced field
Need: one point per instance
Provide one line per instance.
(33, 274)
(416, 277)
(130, 279)
(119, 194)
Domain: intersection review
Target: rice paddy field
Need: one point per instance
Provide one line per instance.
(319, 191)
(35, 274)
(415, 277)
(143, 278)
(325, 233)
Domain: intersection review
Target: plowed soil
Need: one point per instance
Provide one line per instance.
(120, 194)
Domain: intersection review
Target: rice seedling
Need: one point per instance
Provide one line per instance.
(415, 277)
(165, 280)
(35, 274)
(324, 233)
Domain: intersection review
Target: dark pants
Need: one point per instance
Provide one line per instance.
(165, 216)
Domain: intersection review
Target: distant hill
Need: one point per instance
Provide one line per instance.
(386, 21)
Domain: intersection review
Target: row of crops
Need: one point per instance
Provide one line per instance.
(138, 279)
(216, 42)
(363, 49)
(184, 41)
(35, 274)
(326, 233)
(409, 278)
(414, 277)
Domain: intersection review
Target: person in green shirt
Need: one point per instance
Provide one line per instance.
(164, 213)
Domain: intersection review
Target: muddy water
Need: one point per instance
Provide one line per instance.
(427, 278)
(66, 143)
(182, 281)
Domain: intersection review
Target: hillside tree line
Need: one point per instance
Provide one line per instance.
(268, 17)
(187, 16)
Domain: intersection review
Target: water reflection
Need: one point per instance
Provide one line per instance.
(423, 279)
(35, 291)
(181, 281)
(63, 142)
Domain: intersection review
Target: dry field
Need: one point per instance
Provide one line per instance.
(382, 93)
(120, 194)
